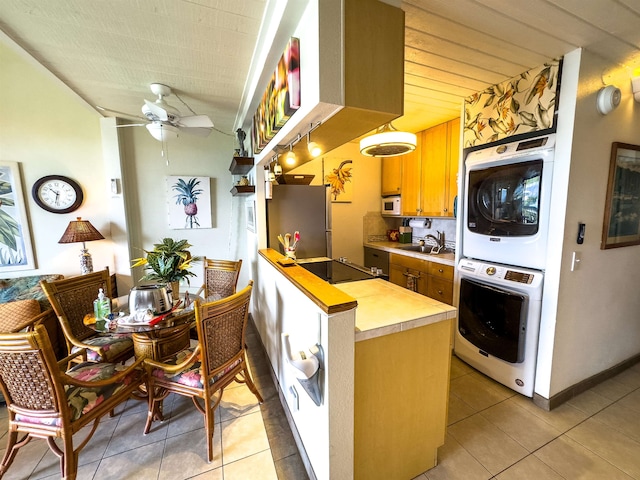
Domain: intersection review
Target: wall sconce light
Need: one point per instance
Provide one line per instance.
(635, 87)
(608, 99)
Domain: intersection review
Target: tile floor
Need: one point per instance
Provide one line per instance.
(493, 433)
(252, 441)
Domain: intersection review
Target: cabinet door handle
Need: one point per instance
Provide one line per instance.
(440, 292)
(440, 270)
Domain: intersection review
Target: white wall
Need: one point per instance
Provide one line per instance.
(144, 176)
(589, 319)
(51, 131)
(597, 319)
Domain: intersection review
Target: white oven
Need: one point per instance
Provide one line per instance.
(392, 206)
(507, 202)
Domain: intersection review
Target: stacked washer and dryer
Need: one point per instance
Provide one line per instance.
(507, 201)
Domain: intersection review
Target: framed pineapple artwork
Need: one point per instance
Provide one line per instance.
(189, 202)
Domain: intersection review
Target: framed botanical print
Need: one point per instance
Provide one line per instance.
(16, 252)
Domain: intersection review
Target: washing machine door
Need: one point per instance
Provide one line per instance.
(493, 319)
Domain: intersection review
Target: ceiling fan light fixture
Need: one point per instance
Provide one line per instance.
(162, 132)
(388, 142)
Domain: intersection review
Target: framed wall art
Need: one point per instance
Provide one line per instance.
(622, 208)
(189, 202)
(250, 210)
(16, 252)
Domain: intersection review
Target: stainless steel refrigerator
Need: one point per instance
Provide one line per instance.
(302, 208)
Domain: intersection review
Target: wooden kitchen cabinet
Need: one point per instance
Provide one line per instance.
(411, 180)
(429, 181)
(391, 176)
(431, 279)
(409, 272)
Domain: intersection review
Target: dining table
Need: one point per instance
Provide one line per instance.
(158, 336)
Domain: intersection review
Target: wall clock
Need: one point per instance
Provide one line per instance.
(57, 194)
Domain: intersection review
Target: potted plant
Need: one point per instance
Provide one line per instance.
(169, 262)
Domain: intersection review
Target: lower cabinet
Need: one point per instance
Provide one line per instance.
(428, 278)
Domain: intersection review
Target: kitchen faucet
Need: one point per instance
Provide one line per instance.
(440, 241)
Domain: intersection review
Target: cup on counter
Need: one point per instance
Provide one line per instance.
(290, 252)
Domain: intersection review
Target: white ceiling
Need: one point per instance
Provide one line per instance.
(109, 51)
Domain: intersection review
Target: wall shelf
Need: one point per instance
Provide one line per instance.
(243, 190)
(241, 165)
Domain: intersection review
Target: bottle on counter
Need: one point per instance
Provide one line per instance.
(101, 306)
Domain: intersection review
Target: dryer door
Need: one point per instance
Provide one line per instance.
(493, 319)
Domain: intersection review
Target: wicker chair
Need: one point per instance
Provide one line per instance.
(45, 402)
(220, 277)
(72, 298)
(217, 360)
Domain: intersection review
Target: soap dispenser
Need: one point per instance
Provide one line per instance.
(101, 306)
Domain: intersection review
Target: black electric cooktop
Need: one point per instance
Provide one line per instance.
(334, 271)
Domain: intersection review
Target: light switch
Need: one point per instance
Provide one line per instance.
(576, 258)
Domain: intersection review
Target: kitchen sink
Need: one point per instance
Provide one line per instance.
(426, 249)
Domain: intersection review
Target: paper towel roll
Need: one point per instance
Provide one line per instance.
(417, 223)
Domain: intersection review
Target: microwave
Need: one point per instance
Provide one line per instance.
(391, 206)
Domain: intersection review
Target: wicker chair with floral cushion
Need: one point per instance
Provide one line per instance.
(220, 277)
(72, 299)
(217, 361)
(45, 402)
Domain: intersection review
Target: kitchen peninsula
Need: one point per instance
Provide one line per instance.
(385, 372)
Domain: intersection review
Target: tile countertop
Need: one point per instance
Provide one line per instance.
(385, 308)
(395, 247)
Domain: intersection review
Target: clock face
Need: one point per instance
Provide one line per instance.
(57, 194)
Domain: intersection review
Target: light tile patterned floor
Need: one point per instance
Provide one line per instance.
(252, 441)
(495, 433)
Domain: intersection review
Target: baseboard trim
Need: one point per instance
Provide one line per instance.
(575, 390)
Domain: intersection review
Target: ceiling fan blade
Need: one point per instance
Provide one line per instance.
(132, 125)
(122, 114)
(199, 131)
(156, 110)
(199, 121)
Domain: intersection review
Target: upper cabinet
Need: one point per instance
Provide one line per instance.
(429, 174)
(391, 176)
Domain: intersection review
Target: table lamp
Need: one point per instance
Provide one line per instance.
(82, 231)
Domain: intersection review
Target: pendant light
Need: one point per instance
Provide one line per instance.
(388, 142)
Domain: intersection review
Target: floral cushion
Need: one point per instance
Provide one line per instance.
(21, 288)
(82, 400)
(190, 376)
(112, 345)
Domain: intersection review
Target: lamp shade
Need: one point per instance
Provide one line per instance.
(388, 142)
(80, 231)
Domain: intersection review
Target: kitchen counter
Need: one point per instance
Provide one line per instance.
(386, 349)
(395, 247)
(385, 308)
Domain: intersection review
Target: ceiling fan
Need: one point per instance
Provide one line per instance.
(165, 121)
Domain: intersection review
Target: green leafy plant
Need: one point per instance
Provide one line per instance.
(168, 262)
